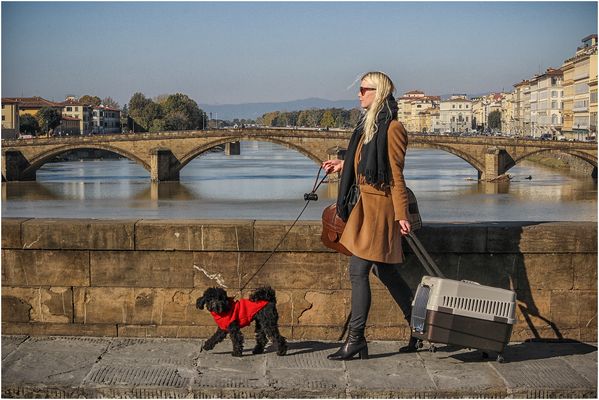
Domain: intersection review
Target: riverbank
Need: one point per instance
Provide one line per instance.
(564, 162)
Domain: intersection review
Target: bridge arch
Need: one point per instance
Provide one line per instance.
(589, 158)
(44, 157)
(191, 155)
(476, 164)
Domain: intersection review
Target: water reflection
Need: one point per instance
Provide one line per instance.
(268, 182)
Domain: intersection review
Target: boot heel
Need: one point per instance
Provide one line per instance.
(364, 354)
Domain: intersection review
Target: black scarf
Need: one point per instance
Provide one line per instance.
(374, 159)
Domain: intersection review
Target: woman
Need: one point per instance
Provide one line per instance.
(375, 160)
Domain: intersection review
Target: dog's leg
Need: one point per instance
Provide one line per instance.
(236, 338)
(218, 337)
(261, 339)
(269, 319)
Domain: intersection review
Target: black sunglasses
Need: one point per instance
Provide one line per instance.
(363, 90)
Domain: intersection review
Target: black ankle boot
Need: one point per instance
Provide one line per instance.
(355, 343)
(411, 347)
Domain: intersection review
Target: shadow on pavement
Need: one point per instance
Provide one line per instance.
(527, 351)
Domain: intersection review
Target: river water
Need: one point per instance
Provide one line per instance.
(268, 181)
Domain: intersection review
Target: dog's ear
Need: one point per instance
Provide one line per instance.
(200, 302)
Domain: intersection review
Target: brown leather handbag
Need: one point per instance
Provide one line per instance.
(332, 228)
(333, 225)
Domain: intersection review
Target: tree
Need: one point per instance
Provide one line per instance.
(176, 121)
(110, 102)
(90, 100)
(327, 120)
(495, 120)
(48, 118)
(184, 106)
(28, 124)
(137, 110)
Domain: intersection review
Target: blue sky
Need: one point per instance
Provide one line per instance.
(229, 52)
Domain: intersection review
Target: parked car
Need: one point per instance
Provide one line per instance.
(546, 136)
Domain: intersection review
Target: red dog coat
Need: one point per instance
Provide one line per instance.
(241, 311)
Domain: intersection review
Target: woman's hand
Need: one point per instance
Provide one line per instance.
(405, 227)
(331, 166)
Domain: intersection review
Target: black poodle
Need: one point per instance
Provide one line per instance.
(231, 316)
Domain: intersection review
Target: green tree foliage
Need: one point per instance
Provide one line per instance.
(495, 120)
(183, 112)
(48, 118)
(327, 121)
(90, 100)
(172, 112)
(329, 118)
(28, 124)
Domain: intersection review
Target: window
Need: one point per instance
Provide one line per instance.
(3, 118)
(554, 93)
(69, 109)
(553, 104)
(593, 97)
(581, 88)
(453, 106)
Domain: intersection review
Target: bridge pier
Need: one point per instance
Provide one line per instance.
(164, 165)
(233, 149)
(14, 165)
(497, 162)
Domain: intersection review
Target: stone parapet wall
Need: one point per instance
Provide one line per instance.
(141, 277)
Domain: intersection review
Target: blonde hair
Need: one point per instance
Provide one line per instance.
(384, 87)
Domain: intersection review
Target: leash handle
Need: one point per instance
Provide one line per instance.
(308, 198)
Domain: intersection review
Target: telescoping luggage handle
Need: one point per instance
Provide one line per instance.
(424, 258)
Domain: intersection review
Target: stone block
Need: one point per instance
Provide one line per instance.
(48, 304)
(383, 310)
(294, 271)
(320, 307)
(393, 333)
(496, 270)
(452, 238)
(11, 232)
(588, 334)
(221, 269)
(78, 234)
(142, 269)
(206, 235)
(565, 307)
(534, 308)
(135, 306)
(544, 237)
(587, 308)
(544, 271)
(585, 271)
(304, 236)
(45, 268)
(167, 331)
(58, 329)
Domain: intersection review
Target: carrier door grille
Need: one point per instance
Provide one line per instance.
(482, 306)
(419, 310)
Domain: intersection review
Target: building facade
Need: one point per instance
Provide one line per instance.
(106, 120)
(414, 111)
(580, 91)
(10, 118)
(455, 115)
(69, 126)
(82, 112)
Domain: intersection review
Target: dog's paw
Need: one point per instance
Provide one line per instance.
(207, 347)
(236, 353)
(258, 350)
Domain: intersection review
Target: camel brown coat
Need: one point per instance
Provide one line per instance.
(372, 231)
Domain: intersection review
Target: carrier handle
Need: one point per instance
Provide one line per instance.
(423, 256)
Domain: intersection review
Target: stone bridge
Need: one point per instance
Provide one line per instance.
(164, 154)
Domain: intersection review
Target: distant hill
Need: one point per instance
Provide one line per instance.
(255, 110)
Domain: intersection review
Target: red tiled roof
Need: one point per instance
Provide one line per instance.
(70, 118)
(6, 100)
(101, 107)
(34, 102)
(414, 92)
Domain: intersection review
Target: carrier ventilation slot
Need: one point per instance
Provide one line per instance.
(482, 306)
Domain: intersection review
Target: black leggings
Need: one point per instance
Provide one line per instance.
(359, 271)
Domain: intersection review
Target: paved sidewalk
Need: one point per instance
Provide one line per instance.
(173, 368)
